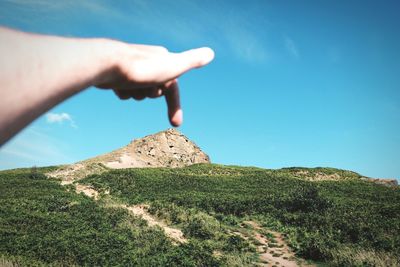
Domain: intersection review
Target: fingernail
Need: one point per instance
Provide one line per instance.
(177, 118)
(207, 55)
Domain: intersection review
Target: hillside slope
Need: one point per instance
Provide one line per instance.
(230, 216)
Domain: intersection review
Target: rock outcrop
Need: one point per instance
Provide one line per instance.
(168, 148)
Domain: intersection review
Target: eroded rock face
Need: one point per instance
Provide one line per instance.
(168, 148)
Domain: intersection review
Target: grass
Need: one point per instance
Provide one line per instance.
(341, 222)
(319, 217)
(41, 224)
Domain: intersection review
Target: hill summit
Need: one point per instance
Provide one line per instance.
(172, 149)
(168, 148)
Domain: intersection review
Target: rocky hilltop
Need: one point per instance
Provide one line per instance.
(172, 149)
(168, 148)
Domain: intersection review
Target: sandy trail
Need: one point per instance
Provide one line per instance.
(141, 210)
(138, 210)
(278, 254)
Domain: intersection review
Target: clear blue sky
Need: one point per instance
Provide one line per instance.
(294, 83)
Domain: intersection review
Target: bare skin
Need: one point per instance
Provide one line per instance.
(38, 71)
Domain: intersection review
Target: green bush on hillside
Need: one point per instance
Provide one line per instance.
(320, 216)
(345, 223)
(41, 223)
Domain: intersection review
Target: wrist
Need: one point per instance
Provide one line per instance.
(108, 53)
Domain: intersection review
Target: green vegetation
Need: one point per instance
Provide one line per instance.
(41, 223)
(342, 222)
(347, 222)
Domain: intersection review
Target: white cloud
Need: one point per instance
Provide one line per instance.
(243, 43)
(48, 5)
(60, 118)
(219, 25)
(291, 47)
(33, 146)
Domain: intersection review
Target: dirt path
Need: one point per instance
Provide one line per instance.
(273, 249)
(138, 210)
(141, 210)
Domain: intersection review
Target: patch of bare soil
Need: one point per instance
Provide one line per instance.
(138, 210)
(273, 249)
(317, 176)
(141, 210)
(70, 173)
(87, 190)
(382, 181)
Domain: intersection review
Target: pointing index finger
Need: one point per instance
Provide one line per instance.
(175, 113)
(170, 66)
(195, 58)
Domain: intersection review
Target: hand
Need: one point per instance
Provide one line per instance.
(38, 72)
(141, 71)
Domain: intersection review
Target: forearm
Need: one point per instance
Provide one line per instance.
(37, 72)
